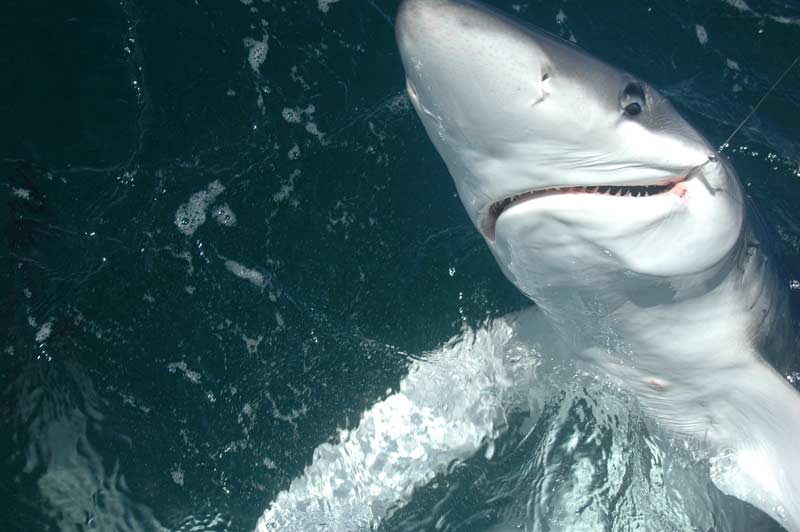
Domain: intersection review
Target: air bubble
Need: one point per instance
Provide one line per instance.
(224, 215)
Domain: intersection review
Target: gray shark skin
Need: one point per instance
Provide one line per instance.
(633, 239)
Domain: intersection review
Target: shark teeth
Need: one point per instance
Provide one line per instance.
(635, 191)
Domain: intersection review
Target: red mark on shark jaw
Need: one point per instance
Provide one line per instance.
(680, 189)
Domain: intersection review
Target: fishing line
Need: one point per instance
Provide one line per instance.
(714, 157)
(727, 141)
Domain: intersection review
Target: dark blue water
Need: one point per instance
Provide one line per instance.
(226, 234)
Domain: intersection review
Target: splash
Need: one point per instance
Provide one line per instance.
(582, 459)
(438, 414)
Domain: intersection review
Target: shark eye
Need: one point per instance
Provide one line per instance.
(633, 109)
(632, 99)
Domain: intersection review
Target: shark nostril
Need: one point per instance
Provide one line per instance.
(545, 81)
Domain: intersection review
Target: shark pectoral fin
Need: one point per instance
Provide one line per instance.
(759, 461)
(756, 476)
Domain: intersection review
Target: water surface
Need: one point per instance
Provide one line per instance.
(226, 234)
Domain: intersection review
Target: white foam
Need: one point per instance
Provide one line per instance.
(739, 5)
(399, 103)
(297, 78)
(192, 214)
(287, 187)
(248, 274)
(345, 218)
(257, 51)
(792, 21)
(743, 7)
(188, 373)
(224, 215)
(44, 332)
(296, 115)
(312, 128)
(252, 343)
(21, 193)
(293, 116)
(324, 5)
(702, 34)
(177, 476)
(561, 20)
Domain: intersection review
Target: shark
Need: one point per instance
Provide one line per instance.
(629, 232)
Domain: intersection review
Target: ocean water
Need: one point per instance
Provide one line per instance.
(226, 235)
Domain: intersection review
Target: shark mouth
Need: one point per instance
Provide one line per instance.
(634, 191)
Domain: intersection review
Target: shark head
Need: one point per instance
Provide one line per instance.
(573, 170)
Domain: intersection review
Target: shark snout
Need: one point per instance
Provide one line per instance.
(420, 24)
(416, 13)
(428, 25)
(462, 56)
